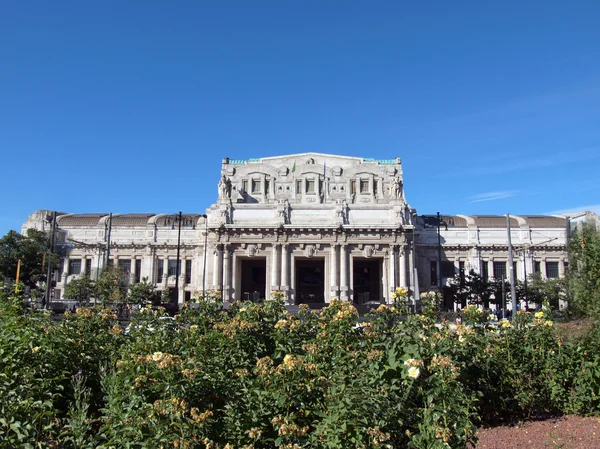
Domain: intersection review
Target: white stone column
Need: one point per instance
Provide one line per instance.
(344, 289)
(275, 267)
(83, 266)
(217, 267)
(402, 257)
(226, 273)
(543, 268)
(411, 270)
(393, 279)
(387, 283)
(333, 275)
(165, 272)
(285, 283)
(132, 271)
(529, 264)
(65, 272)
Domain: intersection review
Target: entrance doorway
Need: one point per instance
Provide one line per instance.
(254, 279)
(310, 281)
(367, 280)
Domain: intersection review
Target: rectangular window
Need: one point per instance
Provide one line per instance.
(160, 270)
(299, 186)
(353, 187)
(125, 266)
(515, 270)
(173, 267)
(310, 186)
(461, 270)
(188, 271)
(374, 187)
(364, 186)
(138, 271)
(88, 266)
(267, 185)
(499, 270)
(485, 272)
(537, 267)
(110, 263)
(255, 186)
(552, 270)
(433, 271)
(187, 296)
(74, 266)
(245, 185)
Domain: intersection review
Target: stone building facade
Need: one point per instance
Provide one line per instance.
(312, 226)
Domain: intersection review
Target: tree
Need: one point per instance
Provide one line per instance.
(583, 275)
(80, 289)
(33, 251)
(540, 290)
(143, 292)
(471, 288)
(111, 286)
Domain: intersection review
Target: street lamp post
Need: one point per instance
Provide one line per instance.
(177, 265)
(204, 263)
(511, 270)
(46, 301)
(439, 254)
(108, 232)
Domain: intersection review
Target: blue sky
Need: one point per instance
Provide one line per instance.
(130, 106)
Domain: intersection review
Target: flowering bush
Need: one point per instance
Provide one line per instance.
(256, 376)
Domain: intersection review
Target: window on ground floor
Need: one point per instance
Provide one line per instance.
(433, 272)
(124, 266)
(74, 266)
(160, 270)
(173, 268)
(138, 271)
(188, 271)
(552, 270)
(499, 270)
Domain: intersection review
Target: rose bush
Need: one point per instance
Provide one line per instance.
(256, 376)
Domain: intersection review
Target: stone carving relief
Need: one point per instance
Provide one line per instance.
(224, 188)
(395, 188)
(341, 213)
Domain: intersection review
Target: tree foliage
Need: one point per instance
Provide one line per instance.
(111, 286)
(33, 249)
(143, 292)
(81, 289)
(539, 290)
(471, 288)
(583, 275)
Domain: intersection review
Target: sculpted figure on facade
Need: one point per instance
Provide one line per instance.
(344, 210)
(286, 212)
(283, 212)
(395, 188)
(224, 188)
